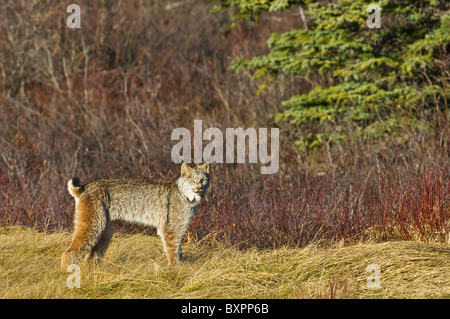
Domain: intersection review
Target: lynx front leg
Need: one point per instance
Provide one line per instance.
(172, 247)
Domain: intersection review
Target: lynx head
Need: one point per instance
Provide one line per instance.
(194, 181)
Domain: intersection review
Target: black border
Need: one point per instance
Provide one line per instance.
(171, 308)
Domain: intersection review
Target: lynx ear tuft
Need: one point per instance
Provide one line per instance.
(204, 167)
(185, 169)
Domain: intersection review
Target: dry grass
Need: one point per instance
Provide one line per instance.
(135, 267)
(102, 101)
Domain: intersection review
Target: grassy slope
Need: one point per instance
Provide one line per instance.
(135, 267)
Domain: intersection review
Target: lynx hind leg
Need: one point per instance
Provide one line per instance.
(102, 244)
(89, 226)
(180, 253)
(172, 247)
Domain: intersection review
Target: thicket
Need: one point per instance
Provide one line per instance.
(101, 102)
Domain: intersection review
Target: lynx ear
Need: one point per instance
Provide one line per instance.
(185, 169)
(204, 167)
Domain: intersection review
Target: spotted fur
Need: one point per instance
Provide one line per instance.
(167, 206)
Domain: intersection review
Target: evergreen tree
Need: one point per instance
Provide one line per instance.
(380, 79)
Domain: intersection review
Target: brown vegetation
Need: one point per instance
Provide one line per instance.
(102, 101)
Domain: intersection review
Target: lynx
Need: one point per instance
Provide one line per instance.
(167, 206)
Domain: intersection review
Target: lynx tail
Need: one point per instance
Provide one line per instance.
(74, 187)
